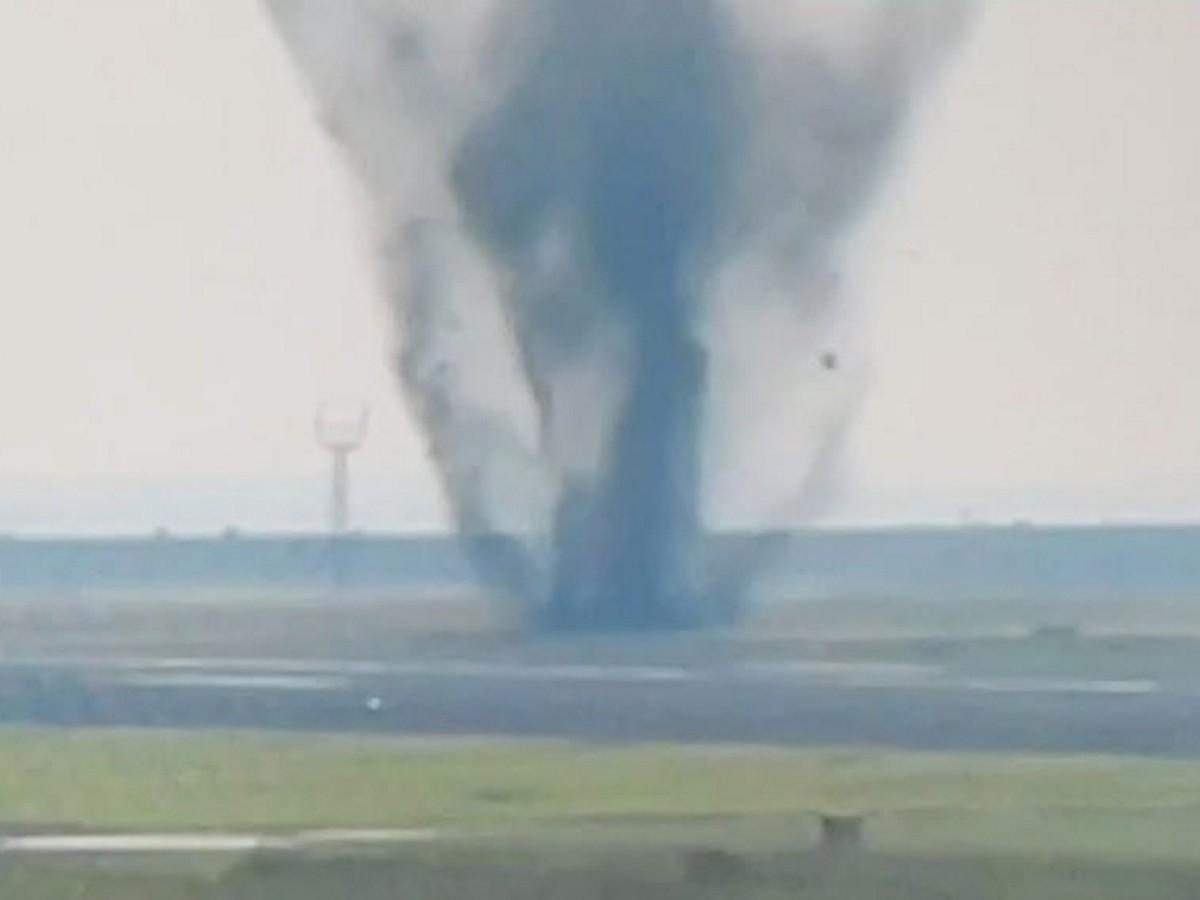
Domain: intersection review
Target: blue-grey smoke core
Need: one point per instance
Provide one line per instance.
(605, 164)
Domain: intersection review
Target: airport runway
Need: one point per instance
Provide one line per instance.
(792, 703)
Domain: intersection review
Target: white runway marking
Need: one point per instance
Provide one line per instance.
(336, 674)
(281, 673)
(133, 843)
(204, 680)
(836, 671)
(340, 675)
(1065, 686)
(875, 676)
(520, 672)
(206, 842)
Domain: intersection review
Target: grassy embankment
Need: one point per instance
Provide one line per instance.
(564, 820)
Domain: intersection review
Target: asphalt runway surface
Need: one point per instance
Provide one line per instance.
(790, 704)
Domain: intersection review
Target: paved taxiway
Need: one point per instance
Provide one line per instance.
(795, 703)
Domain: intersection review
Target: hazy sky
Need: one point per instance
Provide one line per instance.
(186, 272)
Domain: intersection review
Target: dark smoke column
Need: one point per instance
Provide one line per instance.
(627, 551)
(580, 204)
(620, 131)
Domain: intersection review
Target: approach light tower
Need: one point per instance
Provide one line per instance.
(341, 428)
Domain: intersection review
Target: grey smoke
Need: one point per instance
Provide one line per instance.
(576, 198)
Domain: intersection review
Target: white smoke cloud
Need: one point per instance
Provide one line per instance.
(598, 217)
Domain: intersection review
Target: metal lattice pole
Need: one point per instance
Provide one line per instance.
(341, 428)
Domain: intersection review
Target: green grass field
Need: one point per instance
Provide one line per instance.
(126, 780)
(544, 819)
(466, 873)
